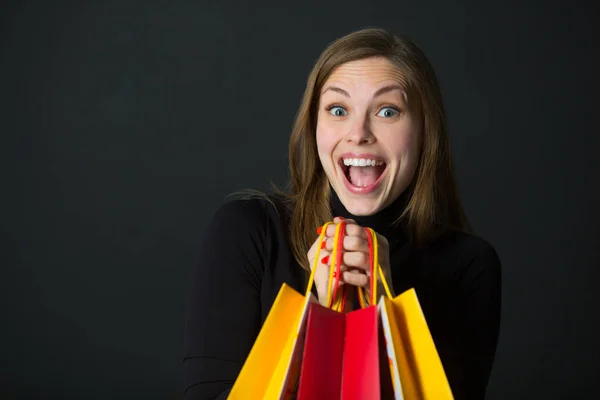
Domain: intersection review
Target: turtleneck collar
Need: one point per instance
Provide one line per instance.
(382, 222)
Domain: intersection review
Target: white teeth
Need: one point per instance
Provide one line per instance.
(361, 162)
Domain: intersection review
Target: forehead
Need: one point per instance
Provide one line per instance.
(369, 71)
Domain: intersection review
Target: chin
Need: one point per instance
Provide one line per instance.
(360, 207)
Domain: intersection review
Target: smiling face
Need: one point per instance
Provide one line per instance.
(367, 138)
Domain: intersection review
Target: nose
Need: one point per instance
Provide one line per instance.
(360, 132)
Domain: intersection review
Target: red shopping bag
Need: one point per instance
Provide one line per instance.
(321, 371)
(344, 356)
(344, 353)
(360, 369)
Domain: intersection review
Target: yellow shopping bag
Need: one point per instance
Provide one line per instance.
(416, 369)
(271, 346)
(272, 367)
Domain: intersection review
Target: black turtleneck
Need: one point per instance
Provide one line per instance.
(245, 258)
(385, 222)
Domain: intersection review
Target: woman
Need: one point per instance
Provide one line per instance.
(369, 145)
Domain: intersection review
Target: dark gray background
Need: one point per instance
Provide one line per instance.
(124, 124)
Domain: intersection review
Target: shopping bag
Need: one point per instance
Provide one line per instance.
(362, 372)
(272, 367)
(342, 357)
(273, 344)
(361, 366)
(387, 353)
(343, 351)
(321, 371)
(416, 368)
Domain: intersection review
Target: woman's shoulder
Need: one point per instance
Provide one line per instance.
(250, 209)
(468, 253)
(468, 243)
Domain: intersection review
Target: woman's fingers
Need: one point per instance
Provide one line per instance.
(355, 252)
(350, 243)
(356, 278)
(355, 248)
(351, 230)
(355, 268)
(337, 220)
(357, 259)
(312, 253)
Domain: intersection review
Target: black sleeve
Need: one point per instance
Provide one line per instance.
(224, 314)
(480, 286)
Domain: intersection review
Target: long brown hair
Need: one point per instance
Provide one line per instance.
(433, 203)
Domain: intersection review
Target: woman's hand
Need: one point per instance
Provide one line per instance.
(322, 272)
(355, 266)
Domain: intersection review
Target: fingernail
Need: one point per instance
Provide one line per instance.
(323, 244)
(342, 218)
(335, 274)
(319, 230)
(325, 260)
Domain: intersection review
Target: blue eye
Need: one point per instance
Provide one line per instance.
(387, 112)
(338, 111)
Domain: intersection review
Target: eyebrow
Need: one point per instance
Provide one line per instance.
(337, 90)
(383, 90)
(387, 89)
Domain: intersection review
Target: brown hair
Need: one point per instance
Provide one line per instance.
(433, 203)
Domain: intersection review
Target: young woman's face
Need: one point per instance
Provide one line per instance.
(367, 139)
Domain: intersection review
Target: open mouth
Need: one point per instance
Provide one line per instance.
(362, 173)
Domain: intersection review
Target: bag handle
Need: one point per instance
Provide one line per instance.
(375, 270)
(311, 278)
(336, 301)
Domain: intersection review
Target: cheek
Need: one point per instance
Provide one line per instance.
(326, 141)
(404, 144)
(326, 144)
(411, 145)
(410, 156)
